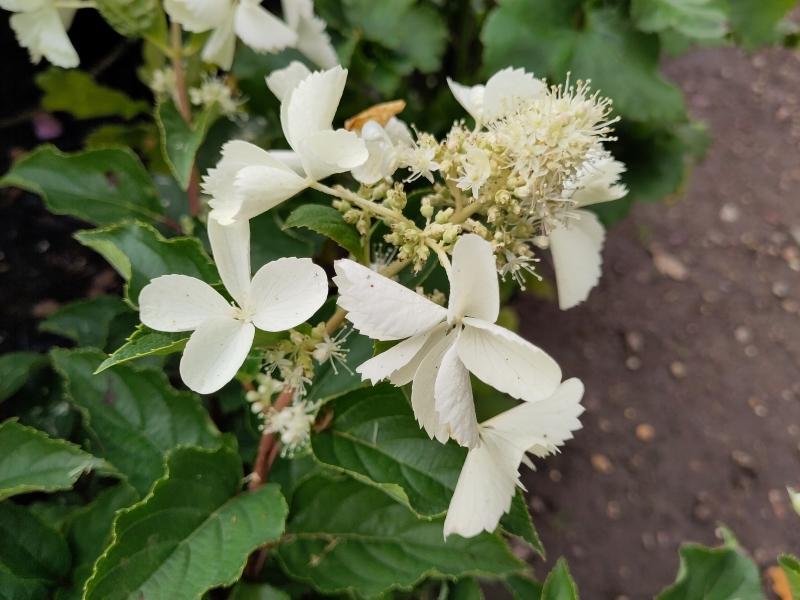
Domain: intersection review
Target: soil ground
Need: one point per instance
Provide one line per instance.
(690, 352)
(689, 348)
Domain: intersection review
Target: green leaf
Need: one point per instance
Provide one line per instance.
(330, 382)
(145, 342)
(720, 573)
(99, 186)
(134, 415)
(329, 222)
(465, 589)
(140, 254)
(517, 521)
(181, 141)
(89, 532)
(30, 461)
(346, 536)
(756, 22)
(269, 241)
(257, 591)
(560, 586)
(791, 567)
(15, 369)
(77, 93)
(86, 322)
(415, 32)
(621, 62)
(698, 19)
(192, 533)
(523, 588)
(374, 437)
(33, 556)
(130, 18)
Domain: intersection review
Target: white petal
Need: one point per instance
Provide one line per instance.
(474, 290)
(287, 292)
(180, 303)
(507, 362)
(260, 29)
(198, 15)
(282, 82)
(541, 427)
(577, 258)
(42, 33)
(382, 159)
(290, 159)
(506, 88)
(214, 353)
(261, 188)
(485, 487)
(220, 182)
(23, 5)
(400, 362)
(398, 132)
(423, 400)
(380, 307)
(327, 152)
(221, 44)
(312, 105)
(315, 43)
(600, 182)
(294, 10)
(230, 245)
(454, 404)
(470, 97)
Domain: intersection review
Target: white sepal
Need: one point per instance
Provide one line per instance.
(214, 353)
(577, 257)
(180, 303)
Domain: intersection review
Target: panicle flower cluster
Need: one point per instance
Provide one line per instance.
(213, 91)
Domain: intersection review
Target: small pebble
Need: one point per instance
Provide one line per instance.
(613, 510)
(780, 289)
(729, 213)
(634, 340)
(678, 369)
(742, 334)
(645, 432)
(633, 363)
(602, 464)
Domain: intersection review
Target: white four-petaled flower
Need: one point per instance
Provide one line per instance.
(41, 27)
(248, 180)
(441, 346)
(281, 295)
(255, 26)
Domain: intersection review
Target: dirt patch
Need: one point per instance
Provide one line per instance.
(690, 351)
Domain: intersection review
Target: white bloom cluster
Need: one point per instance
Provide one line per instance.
(256, 27)
(515, 182)
(214, 92)
(41, 27)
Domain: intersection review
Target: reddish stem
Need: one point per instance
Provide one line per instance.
(268, 446)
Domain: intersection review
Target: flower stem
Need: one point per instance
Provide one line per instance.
(176, 41)
(360, 202)
(440, 254)
(267, 444)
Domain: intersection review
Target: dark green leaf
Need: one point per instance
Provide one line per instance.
(621, 62)
(134, 415)
(140, 254)
(86, 322)
(465, 589)
(791, 568)
(33, 556)
(145, 342)
(30, 461)
(257, 591)
(89, 532)
(347, 536)
(181, 141)
(99, 186)
(523, 588)
(15, 368)
(330, 382)
(270, 242)
(130, 18)
(416, 33)
(329, 222)
(77, 93)
(192, 533)
(375, 437)
(698, 19)
(720, 573)
(559, 584)
(518, 522)
(756, 22)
